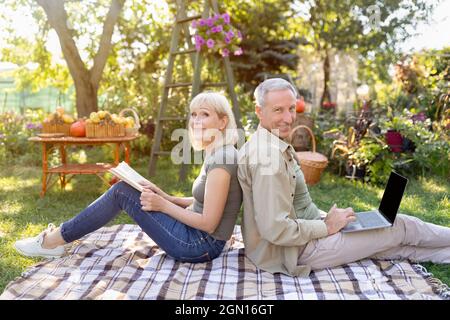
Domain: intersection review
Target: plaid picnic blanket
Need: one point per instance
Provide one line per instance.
(122, 262)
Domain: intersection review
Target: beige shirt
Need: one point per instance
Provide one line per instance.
(303, 204)
(273, 235)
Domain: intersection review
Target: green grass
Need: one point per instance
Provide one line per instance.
(23, 213)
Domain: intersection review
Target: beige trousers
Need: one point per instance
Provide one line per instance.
(409, 238)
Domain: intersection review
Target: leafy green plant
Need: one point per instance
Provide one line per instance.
(327, 128)
(347, 147)
(431, 140)
(15, 129)
(374, 155)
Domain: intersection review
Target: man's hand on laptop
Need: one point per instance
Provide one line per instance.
(337, 219)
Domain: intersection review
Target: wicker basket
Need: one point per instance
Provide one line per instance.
(131, 131)
(49, 127)
(312, 163)
(301, 141)
(104, 130)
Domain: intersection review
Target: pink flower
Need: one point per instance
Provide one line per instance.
(239, 34)
(194, 24)
(226, 18)
(199, 40)
(225, 52)
(219, 28)
(210, 43)
(420, 117)
(238, 52)
(31, 126)
(210, 22)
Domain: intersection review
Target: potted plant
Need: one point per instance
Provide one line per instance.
(394, 140)
(393, 136)
(403, 130)
(369, 150)
(347, 149)
(354, 171)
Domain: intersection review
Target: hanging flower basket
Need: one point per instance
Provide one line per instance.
(216, 35)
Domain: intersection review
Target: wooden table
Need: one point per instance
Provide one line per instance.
(65, 168)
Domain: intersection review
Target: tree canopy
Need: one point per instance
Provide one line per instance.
(118, 49)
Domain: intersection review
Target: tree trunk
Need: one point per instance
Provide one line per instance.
(86, 81)
(86, 99)
(326, 79)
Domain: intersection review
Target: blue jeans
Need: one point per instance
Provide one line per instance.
(178, 240)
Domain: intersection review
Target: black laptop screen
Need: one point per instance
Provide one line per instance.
(392, 196)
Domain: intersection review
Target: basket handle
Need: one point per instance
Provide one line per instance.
(135, 115)
(310, 133)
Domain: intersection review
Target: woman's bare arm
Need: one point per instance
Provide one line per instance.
(216, 193)
(179, 201)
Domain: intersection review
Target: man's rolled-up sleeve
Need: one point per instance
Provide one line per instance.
(272, 200)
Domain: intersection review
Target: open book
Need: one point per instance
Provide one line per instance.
(127, 174)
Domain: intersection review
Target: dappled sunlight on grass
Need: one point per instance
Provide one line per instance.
(412, 204)
(69, 187)
(434, 186)
(444, 204)
(7, 226)
(31, 230)
(17, 183)
(345, 193)
(442, 213)
(11, 263)
(10, 208)
(359, 205)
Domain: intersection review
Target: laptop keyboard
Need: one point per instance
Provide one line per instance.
(370, 219)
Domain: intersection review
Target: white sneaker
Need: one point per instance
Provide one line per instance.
(32, 247)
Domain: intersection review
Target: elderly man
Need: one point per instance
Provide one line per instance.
(283, 229)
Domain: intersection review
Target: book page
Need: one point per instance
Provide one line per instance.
(124, 172)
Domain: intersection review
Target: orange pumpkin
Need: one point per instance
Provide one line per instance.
(300, 105)
(78, 129)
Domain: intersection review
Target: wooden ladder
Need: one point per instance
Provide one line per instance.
(181, 27)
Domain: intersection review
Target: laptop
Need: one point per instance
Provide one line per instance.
(385, 215)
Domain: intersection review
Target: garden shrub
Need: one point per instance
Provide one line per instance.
(15, 129)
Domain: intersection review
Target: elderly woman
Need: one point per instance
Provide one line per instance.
(192, 229)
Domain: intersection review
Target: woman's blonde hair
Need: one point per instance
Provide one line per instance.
(218, 103)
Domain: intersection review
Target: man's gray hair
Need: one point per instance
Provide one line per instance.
(268, 85)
